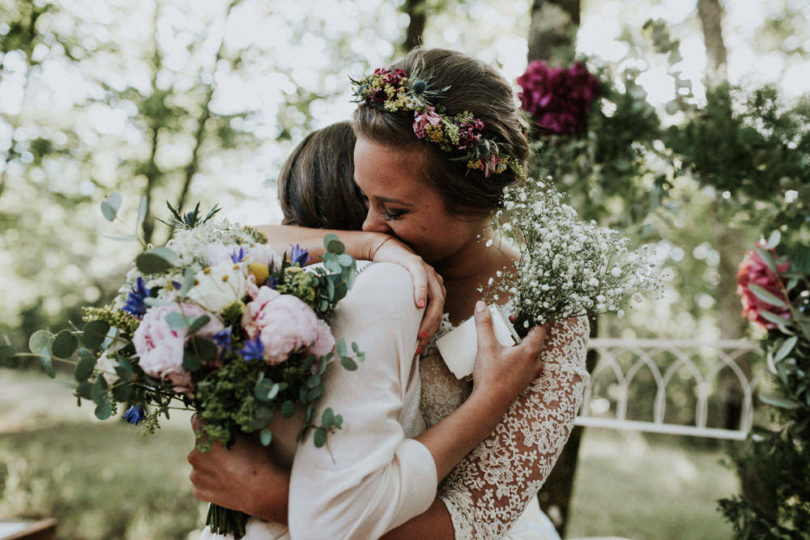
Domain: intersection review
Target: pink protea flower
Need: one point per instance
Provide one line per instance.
(558, 99)
(754, 270)
(422, 120)
(285, 325)
(160, 349)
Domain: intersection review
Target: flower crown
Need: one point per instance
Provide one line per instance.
(394, 91)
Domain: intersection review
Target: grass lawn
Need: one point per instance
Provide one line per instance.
(105, 480)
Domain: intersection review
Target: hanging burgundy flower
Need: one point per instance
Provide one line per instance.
(559, 99)
(753, 270)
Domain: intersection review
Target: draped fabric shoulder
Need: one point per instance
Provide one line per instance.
(490, 489)
(370, 477)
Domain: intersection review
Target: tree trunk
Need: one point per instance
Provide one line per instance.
(417, 17)
(553, 30)
(552, 37)
(710, 13)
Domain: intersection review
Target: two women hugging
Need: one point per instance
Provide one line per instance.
(410, 184)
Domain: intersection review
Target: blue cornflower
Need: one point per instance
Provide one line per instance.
(223, 338)
(271, 282)
(253, 350)
(135, 414)
(238, 255)
(135, 303)
(298, 255)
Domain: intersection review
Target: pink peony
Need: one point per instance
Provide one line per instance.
(422, 120)
(558, 99)
(160, 348)
(285, 325)
(754, 270)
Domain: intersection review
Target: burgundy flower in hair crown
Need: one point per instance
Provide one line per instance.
(395, 90)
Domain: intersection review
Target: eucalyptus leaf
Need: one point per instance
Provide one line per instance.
(84, 390)
(314, 394)
(176, 321)
(84, 368)
(47, 365)
(348, 363)
(198, 323)
(188, 280)
(103, 409)
(314, 380)
(287, 409)
(94, 333)
(266, 437)
(767, 296)
(64, 344)
(191, 362)
(345, 260)
(328, 417)
(98, 391)
(319, 437)
(157, 260)
(40, 342)
(155, 302)
(122, 392)
(205, 349)
(341, 347)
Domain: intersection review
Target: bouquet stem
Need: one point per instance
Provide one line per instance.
(226, 521)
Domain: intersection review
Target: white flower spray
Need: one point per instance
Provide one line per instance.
(567, 267)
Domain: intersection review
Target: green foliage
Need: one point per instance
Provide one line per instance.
(775, 458)
(753, 146)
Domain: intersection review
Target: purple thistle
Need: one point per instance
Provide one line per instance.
(298, 255)
(223, 338)
(238, 255)
(136, 302)
(253, 349)
(135, 414)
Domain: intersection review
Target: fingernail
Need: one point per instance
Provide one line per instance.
(423, 334)
(480, 306)
(420, 303)
(418, 349)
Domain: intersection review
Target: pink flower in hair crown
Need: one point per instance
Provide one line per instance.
(422, 121)
(397, 91)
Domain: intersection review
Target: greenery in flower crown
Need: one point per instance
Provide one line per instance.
(395, 90)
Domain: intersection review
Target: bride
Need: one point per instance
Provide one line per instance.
(436, 202)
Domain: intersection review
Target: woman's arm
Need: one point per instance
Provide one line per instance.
(487, 492)
(373, 478)
(428, 285)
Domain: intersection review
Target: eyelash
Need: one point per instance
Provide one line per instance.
(390, 216)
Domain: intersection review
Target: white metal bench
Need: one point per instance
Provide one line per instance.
(621, 361)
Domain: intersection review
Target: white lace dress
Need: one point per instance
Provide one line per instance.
(489, 490)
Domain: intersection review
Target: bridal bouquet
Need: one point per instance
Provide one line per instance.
(567, 267)
(216, 322)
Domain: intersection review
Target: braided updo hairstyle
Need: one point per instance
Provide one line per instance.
(475, 87)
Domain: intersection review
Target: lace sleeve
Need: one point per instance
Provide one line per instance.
(489, 489)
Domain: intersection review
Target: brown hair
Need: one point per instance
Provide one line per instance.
(475, 87)
(316, 185)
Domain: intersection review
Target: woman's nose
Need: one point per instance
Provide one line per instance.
(374, 222)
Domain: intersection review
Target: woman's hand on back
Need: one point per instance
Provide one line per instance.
(502, 373)
(429, 291)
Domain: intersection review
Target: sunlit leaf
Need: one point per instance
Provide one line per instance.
(766, 296)
(776, 401)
